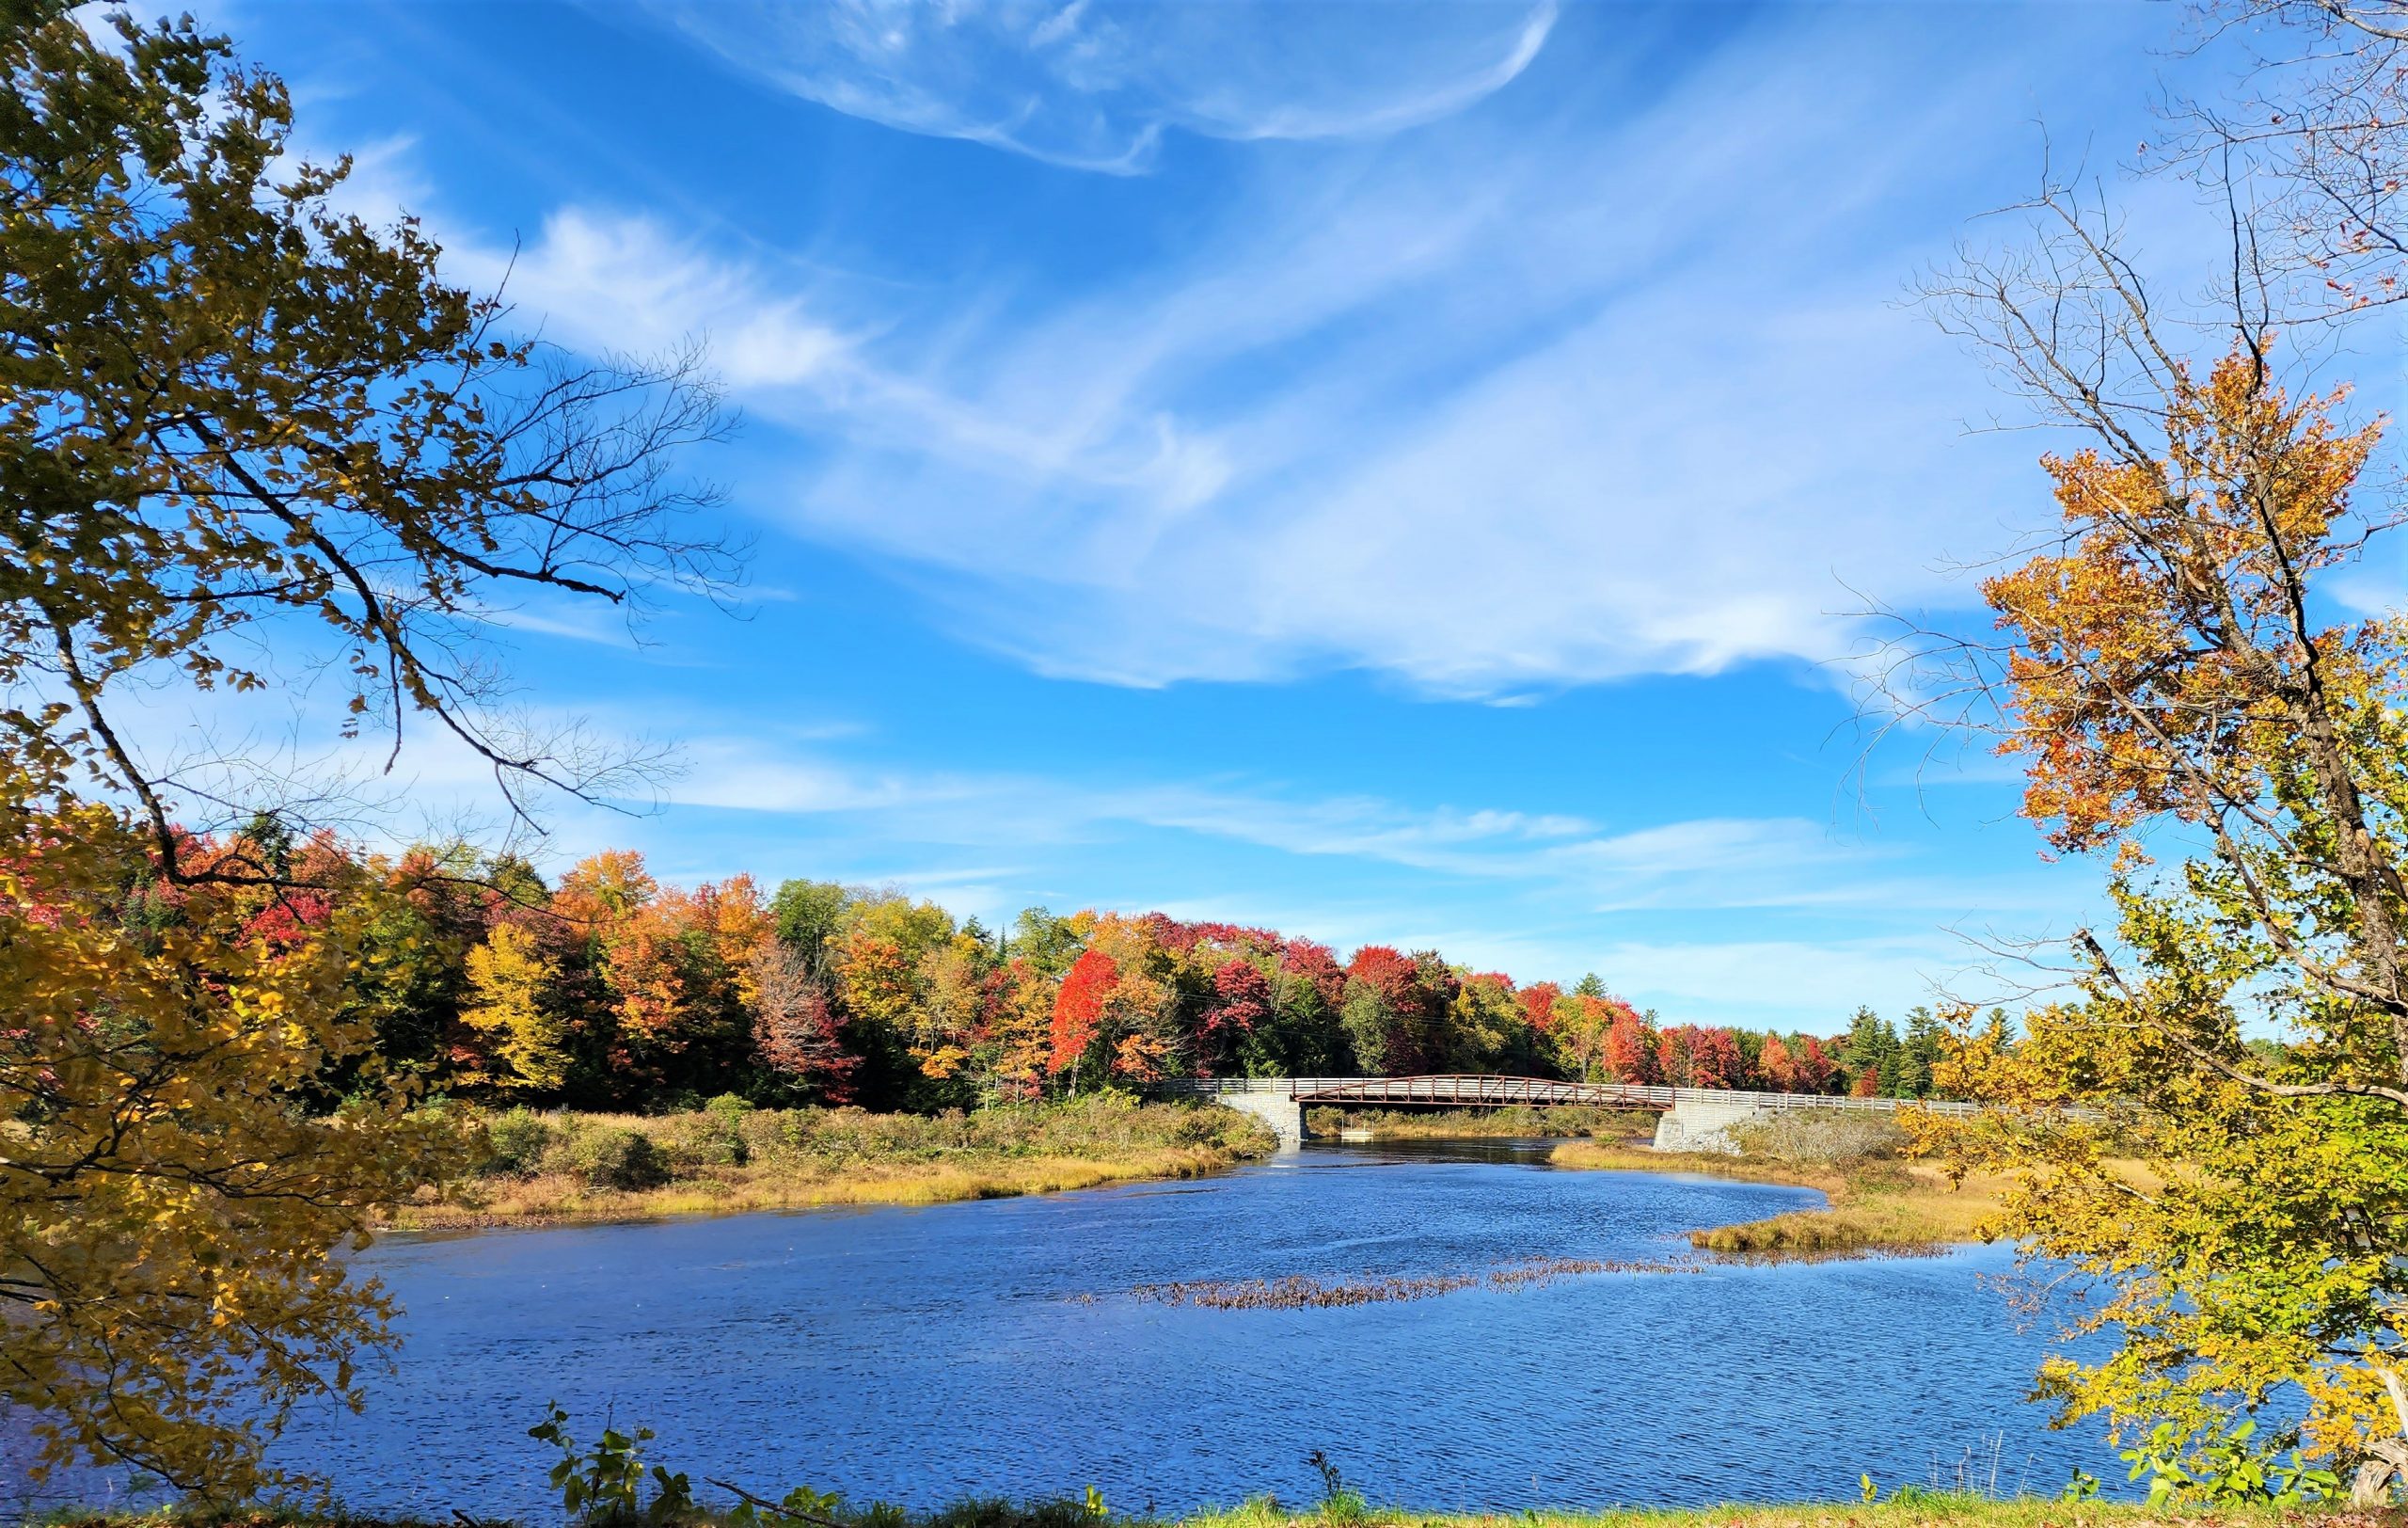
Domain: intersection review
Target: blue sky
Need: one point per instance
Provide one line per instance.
(1394, 473)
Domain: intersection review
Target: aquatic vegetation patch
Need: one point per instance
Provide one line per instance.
(1877, 1205)
(1300, 1291)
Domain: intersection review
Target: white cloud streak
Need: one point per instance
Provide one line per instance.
(1709, 863)
(1096, 84)
(1498, 414)
(1516, 409)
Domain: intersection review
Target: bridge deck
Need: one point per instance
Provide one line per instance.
(1477, 1091)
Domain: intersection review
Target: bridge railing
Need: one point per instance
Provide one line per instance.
(1481, 1089)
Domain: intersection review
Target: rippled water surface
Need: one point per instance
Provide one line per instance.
(920, 1355)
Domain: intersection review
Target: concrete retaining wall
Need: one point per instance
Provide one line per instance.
(1283, 1114)
(1702, 1127)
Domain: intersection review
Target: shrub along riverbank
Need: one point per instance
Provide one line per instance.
(1444, 1124)
(1878, 1202)
(728, 1157)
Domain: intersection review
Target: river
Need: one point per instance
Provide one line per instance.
(920, 1354)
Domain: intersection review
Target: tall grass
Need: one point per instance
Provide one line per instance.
(1875, 1203)
(728, 1157)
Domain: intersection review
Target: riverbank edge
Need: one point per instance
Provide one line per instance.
(871, 1183)
(1880, 1207)
(1929, 1511)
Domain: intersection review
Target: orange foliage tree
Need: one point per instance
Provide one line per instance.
(2179, 683)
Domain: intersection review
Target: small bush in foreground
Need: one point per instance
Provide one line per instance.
(1820, 1136)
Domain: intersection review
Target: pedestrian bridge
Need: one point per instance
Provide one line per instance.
(1693, 1119)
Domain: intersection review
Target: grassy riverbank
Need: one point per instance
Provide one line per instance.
(1445, 1124)
(1967, 1511)
(548, 1168)
(1878, 1203)
(1942, 1511)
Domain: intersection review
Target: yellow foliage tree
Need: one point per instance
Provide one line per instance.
(1138, 1023)
(1023, 1032)
(166, 1214)
(240, 428)
(525, 1037)
(2171, 677)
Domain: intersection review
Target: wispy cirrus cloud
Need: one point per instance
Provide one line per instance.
(1501, 415)
(1527, 407)
(1095, 85)
(623, 283)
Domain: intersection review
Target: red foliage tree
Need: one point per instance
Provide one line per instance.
(1078, 1008)
(1630, 1050)
(1240, 1000)
(1396, 1009)
(1715, 1061)
(1379, 1010)
(1815, 1067)
(1538, 1005)
(1384, 969)
(1672, 1058)
(1315, 965)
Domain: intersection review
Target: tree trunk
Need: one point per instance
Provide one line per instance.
(2370, 1487)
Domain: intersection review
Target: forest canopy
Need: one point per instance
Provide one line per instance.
(608, 989)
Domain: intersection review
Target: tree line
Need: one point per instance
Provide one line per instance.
(607, 989)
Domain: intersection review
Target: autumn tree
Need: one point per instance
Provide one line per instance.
(1485, 1029)
(1395, 1010)
(2192, 704)
(434, 904)
(169, 1212)
(244, 438)
(1715, 1058)
(877, 971)
(1139, 1037)
(1538, 1002)
(1627, 1049)
(1079, 1012)
(796, 1029)
(1776, 1070)
(1695, 1056)
(1243, 1003)
(1020, 1001)
(1303, 1037)
(512, 1010)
